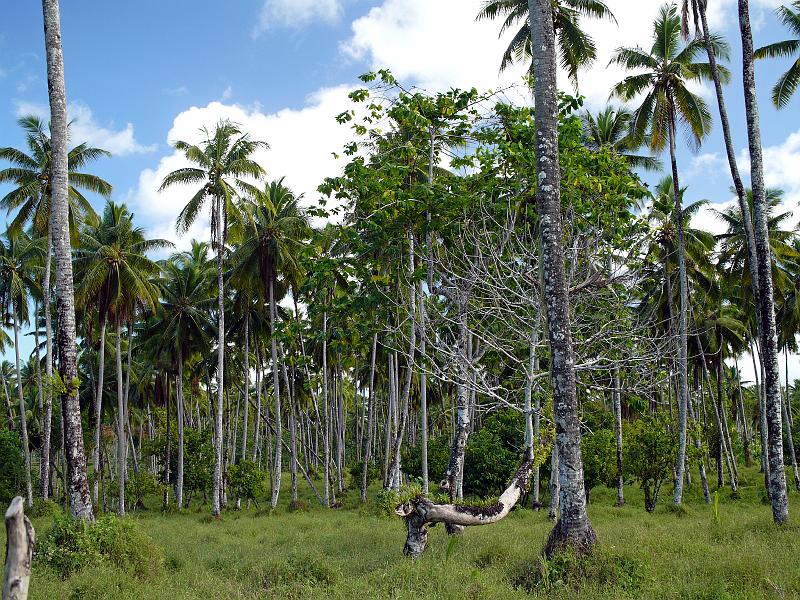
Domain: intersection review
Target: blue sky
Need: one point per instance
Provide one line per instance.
(142, 73)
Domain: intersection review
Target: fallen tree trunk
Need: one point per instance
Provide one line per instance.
(419, 512)
(20, 539)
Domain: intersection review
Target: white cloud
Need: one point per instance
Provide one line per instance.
(296, 13)
(302, 143)
(227, 93)
(84, 128)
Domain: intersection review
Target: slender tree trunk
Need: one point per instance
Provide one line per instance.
(257, 428)
(790, 441)
(48, 370)
(98, 405)
(370, 420)
(121, 438)
(766, 314)
(8, 400)
(179, 397)
(618, 435)
(40, 391)
(246, 384)
(683, 374)
(217, 496)
(573, 528)
(81, 501)
(273, 317)
(23, 425)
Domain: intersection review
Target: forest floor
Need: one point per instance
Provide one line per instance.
(729, 550)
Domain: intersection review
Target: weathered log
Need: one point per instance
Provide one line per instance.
(420, 511)
(20, 539)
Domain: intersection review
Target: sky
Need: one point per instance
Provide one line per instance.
(140, 75)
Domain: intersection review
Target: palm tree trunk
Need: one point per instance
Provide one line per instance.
(766, 313)
(98, 407)
(618, 435)
(23, 425)
(257, 424)
(325, 425)
(81, 501)
(245, 415)
(216, 498)
(273, 317)
(48, 371)
(8, 400)
(121, 437)
(683, 368)
(573, 528)
(788, 423)
(179, 474)
(370, 422)
(40, 391)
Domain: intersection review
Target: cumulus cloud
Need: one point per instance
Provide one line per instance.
(85, 128)
(296, 13)
(302, 146)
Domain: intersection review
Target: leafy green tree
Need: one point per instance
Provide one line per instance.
(787, 83)
(12, 465)
(650, 452)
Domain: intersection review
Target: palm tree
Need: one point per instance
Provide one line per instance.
(117, 276)
(573, 528)
(186, 303)
(31, 197)
(668, 66)
(787, 83)
(223, 158)
(575, 47)
(610, 128)
(276, 229)
(18, 283)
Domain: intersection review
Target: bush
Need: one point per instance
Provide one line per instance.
(246, 480)
(650, 450)
(198, 458)
(12, 466)
(72, 545)
(43, 508)
(373, 474)
(138, 487)
(599, 450)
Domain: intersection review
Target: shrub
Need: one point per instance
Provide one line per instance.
(373, 473)
(246, 480)
(43, 508)
(12, 466)
(141, 485)
(298, 506)
(650, 450)
(72, 545)
(599, 450)
(198, 458)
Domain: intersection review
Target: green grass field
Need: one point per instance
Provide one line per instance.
(353, 553)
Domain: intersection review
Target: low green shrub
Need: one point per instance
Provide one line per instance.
(72, 545)
(43, 508)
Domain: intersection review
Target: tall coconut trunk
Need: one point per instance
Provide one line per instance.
(370, 420)
(573, 528)
(179, 474)
(9, 409)
(767, 330)
(40, 391)
(98, 406)
(23, 425)
(683, 369)
(217, 494)
(245, 415)
(48, 371)
(789, 440)
(121, 437)
(326, 438)
(81, 501)
(618, 435)
(741, 194)
(257, 424)
(273, 318)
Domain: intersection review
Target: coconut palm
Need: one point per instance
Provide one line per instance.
(664, 73)
(31, 195)
(610, 128)
(275, 232)
(787, 83)
(575, 47)
(222, 160)
(116, 275)
(19, 256)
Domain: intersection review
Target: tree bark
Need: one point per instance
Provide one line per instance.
(766, 314)
(23, 421)
(20, 540)
(217, 493)
(618, 435)
(121, 437)
(273, 318)
(98, 406)
(573, 528)
(245, 414)
(179, 474)
(370, 420)
(683, 369)
(81, 501)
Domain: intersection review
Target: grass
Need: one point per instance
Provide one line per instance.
(732, 553)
